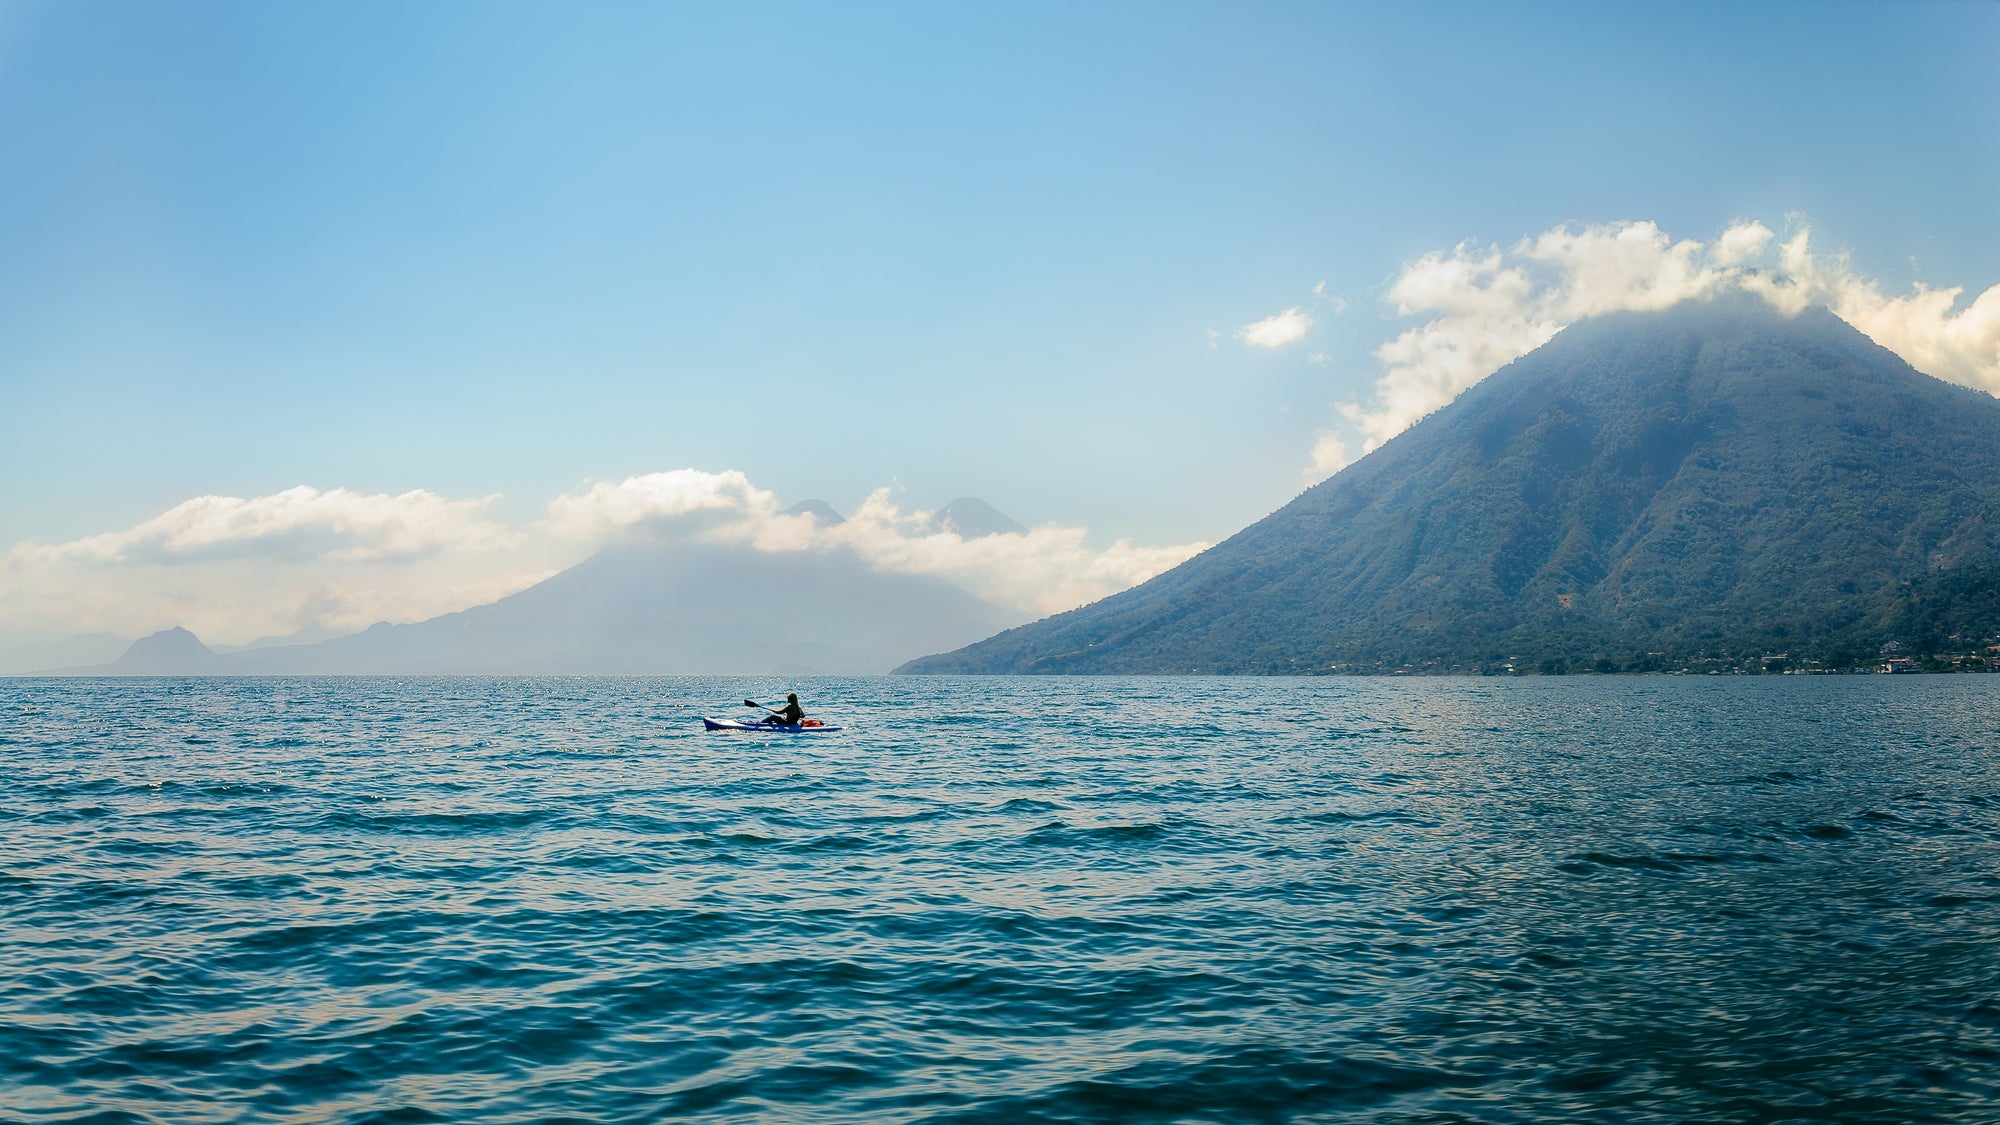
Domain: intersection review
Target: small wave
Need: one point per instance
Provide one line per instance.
(1585, 1080)
(913, 816)
(1057, 834)
(1247, 1084)
(1343, 816)
(437, 823)
(1028, 805)
(726, 839)
(68, 814)
(1583, 864)
(1769, 777)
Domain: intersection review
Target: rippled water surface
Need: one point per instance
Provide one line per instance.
(1603, 899)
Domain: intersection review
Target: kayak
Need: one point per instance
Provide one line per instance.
(767, 728)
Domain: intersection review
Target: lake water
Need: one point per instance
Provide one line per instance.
(1007, 900)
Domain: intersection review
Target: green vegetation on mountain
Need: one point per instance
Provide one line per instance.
(1713, 483)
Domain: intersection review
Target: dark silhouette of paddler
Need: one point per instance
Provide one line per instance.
(792, 714)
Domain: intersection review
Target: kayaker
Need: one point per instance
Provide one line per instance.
(792, 715)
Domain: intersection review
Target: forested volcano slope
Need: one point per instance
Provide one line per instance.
(1712, 480)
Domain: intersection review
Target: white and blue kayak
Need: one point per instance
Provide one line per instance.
(810, 726)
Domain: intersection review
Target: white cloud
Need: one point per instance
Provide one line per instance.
(1743, 243)
(234, 570)
(1925, 326)
(1288, 327)
(1046, 570)
(654, 499)
(1486, 306)
(1329, 455)
(299, 522)
(1633, 266)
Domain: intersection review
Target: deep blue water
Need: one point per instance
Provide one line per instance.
(1241, 900)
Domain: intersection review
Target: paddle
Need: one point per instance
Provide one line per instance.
(754, 703)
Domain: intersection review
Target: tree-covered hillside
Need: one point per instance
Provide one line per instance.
(1646, 490)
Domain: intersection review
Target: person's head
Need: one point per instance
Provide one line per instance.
(791, 697)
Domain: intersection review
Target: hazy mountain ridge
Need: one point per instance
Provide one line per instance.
(819, 510)
(972, 518)
(1642, 489)
(662, 607)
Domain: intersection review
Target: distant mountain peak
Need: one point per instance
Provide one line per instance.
(167, 652)
(969, 517)
(817, 509)
(175, 639)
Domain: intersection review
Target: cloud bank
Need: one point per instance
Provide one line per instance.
(315, 563)
(1486, 306)
(1045, 570)
(298, 561)
(299, 522)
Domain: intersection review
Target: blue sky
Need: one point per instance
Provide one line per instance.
(1004, 250)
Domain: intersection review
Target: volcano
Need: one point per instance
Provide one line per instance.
(1716, 481)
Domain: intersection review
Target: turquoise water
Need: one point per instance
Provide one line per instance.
(1602, 899)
